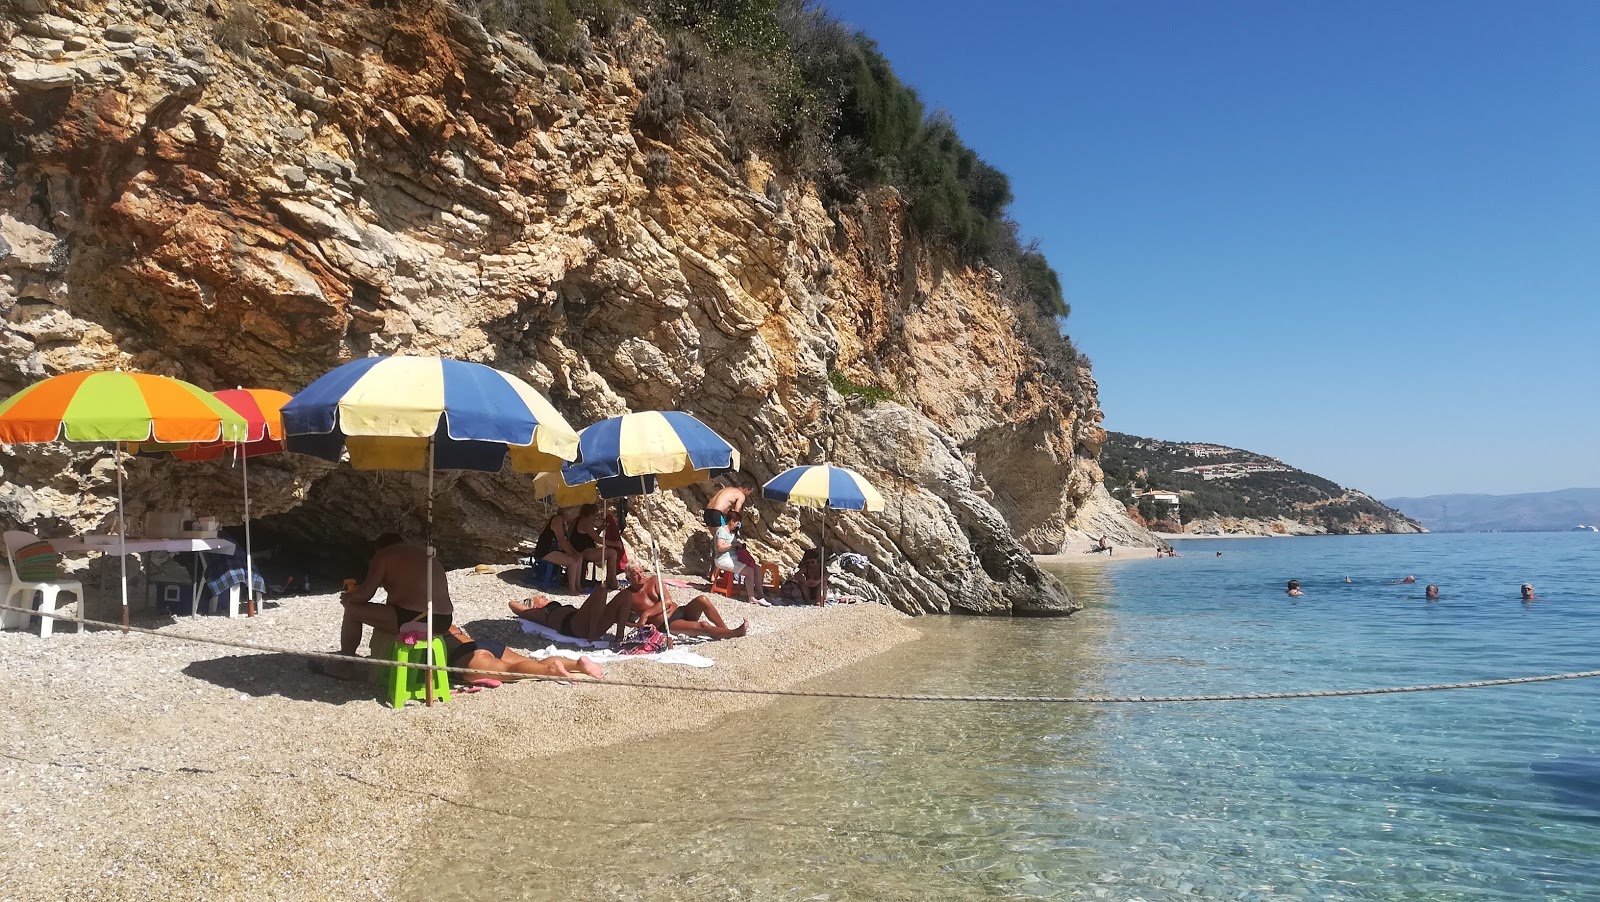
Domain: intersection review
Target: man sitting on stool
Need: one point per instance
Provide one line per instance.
(400, 570)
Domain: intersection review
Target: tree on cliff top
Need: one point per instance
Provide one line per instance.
(786, 77)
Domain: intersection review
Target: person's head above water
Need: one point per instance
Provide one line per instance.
(1293, 588)
(1432, 591)
(1527, 591)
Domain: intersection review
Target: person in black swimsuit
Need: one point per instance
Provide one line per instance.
(570, 543)
(588, 622)
(486, 654)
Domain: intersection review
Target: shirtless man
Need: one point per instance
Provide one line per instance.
(401, 570)
(645, 603)
(486, 654)
(731, 499)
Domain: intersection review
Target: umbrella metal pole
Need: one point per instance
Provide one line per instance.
(822, 558)
(249, 555)
(666, 621)
(122, 531)
(427, 542)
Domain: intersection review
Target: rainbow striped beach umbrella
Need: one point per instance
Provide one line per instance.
(261, 409)
(117, 407)
(828, 487)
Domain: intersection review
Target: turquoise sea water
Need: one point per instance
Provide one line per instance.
(1474, 795)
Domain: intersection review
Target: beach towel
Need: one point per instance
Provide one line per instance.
(680, 656)
(539, 629)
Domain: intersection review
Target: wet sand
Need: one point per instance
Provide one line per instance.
(136, 767)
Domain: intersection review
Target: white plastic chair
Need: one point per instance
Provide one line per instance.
(47, 591)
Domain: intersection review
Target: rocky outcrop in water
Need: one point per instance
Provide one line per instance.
(248, 195)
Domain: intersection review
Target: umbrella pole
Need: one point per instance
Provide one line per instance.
(822, 557)
(122, 533)
(666, 622)
(249, 555)
(427, 542)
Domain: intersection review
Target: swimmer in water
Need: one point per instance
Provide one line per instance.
(1432, 592)
(1294, 589)
(1527, 593)
(1408, 580)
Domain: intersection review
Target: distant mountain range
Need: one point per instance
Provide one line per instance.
(1532, 512)
(1218, 490)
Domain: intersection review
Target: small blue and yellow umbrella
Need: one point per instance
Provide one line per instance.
(666, 449)
(825, 486)
(671, 445)
(828, 487)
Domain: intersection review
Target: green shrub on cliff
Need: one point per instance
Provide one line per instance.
(784, 76)
(871, 394)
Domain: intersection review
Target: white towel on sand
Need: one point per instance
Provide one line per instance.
(599, 650)
(681, 656)
(539, 629)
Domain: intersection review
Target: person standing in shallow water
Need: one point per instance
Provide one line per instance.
(1293, 591)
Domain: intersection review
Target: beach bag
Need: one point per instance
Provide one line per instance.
(37, 563)
(646, 640)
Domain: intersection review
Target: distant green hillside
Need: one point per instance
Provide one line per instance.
(1215, 481)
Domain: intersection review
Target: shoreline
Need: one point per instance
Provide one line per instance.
(228, 773)
(1121, 553)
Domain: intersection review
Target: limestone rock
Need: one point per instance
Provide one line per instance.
(351, 185)
(41, 77)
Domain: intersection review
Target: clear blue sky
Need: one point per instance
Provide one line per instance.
(1360, 236)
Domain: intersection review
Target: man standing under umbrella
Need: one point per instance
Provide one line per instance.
(401, 570)
(728, 500)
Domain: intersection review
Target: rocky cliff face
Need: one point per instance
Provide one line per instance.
(248, 194)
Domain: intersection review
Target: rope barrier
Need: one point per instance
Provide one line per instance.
(863, 696)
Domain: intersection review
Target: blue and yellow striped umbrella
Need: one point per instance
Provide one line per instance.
(671, 445)
(384, 410)
(824, 486)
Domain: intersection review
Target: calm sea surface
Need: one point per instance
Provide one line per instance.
(1470, 795)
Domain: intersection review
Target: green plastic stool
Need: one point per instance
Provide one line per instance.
(407, 683)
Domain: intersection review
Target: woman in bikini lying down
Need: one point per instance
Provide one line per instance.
(486, 654)
(588, 622)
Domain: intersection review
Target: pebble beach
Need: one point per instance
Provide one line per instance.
(139, 767)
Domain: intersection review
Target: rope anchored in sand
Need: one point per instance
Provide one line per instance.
(864, 696)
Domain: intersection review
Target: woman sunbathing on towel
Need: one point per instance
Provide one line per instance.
(486, 654)
(588, 622)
